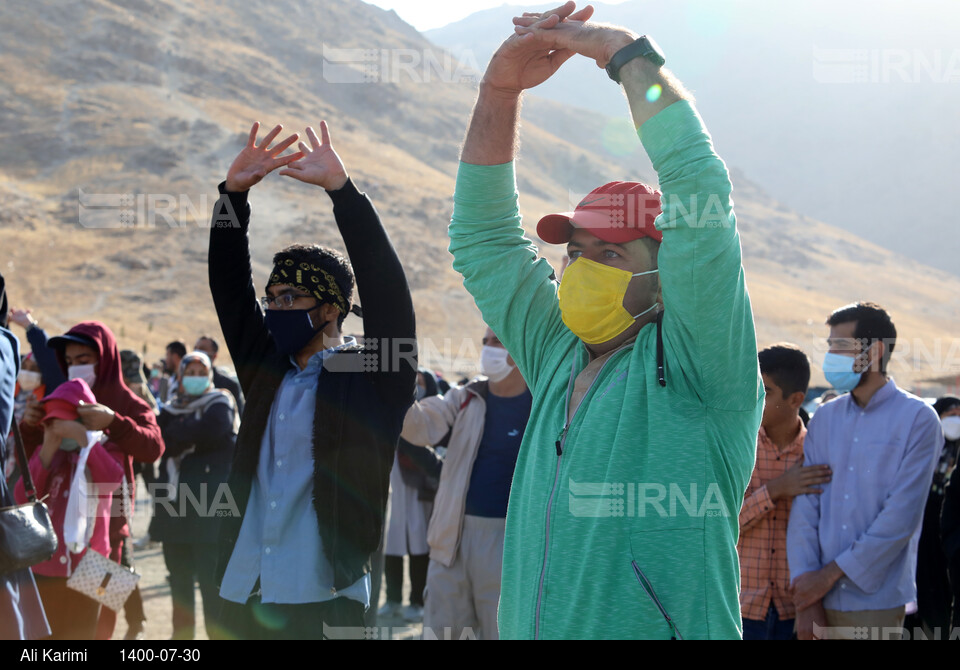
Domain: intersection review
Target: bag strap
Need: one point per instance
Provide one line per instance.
(661, 371)
(24, 464)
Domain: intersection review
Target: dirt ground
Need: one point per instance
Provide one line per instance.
(156, 591)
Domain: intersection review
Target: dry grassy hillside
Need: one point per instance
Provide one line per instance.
(155, 98)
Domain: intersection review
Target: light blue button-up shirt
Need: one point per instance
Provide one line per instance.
(868, 517)
(279, 539)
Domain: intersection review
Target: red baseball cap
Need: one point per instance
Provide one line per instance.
(63, 401)
(617, 212)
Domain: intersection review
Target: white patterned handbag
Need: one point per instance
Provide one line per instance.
(97, 577)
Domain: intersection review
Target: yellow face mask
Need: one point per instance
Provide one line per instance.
(591, 300)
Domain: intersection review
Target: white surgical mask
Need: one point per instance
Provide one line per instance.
(85, 372)
(493, 363)
(951, 427)
(29, 380)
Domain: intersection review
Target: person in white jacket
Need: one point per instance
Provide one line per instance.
(483, 424)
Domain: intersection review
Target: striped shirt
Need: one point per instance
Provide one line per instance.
(764, 572)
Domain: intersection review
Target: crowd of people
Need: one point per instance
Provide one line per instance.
(626, 465)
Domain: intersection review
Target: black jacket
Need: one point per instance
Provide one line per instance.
(950, 517)
(224, 381)
(176, 517)
(362, 393)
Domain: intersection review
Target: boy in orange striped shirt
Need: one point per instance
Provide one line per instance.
(766, 603)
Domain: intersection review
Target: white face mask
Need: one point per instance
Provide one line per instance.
(29, 380)
(85, 372)
(493, 363)
(951, 427)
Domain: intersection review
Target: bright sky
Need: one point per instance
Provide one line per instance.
(429, 14)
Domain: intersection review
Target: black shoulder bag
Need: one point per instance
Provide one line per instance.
(26, 531)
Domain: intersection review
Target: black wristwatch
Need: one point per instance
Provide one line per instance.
(643, 46)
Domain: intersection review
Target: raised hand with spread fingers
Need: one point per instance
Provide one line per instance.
(255, 161)
(320, 165)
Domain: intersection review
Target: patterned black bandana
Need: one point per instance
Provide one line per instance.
(311, 279)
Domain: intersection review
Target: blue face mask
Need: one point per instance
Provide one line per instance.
(292, 329)
(195, 385)
(839, 372)
(70, 444)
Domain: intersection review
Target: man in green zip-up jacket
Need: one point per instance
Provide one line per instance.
(622, 521)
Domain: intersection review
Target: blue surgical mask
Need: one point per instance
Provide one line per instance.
(195, 385)
(292, 329)
(839, 372)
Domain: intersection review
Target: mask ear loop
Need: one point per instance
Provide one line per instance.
(864, 357)
(661, 370)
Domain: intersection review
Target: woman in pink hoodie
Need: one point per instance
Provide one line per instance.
(72, 615)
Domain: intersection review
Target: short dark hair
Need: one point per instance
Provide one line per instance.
(873, 325)
(213, 343)
(787, 365)
(327, 259)
(178, 347)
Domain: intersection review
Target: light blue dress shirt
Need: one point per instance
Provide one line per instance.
(279, 539)
(868, 517)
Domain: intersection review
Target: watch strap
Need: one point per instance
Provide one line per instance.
(642, 46)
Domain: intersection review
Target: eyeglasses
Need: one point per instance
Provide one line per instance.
(282, 301)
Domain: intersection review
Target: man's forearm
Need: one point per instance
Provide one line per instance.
(492, 134)
(832, 572)
(230, 277)
(45, 357)
(640, 78)
(381, 282)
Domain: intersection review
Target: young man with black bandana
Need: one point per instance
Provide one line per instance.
(322, 415)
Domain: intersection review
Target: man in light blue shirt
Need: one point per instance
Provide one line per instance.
(264, 561)
(322, 415)
(852, 549)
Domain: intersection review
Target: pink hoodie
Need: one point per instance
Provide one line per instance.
(54, 484)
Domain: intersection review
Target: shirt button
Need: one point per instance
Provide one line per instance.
(63, 559)
(267, 550)
(281, 416)
(846, 497)
(850, 468)
(273, 505)
(856, 439)
(844, 526)
(843, 586)
(280, 462)
(773, 551)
